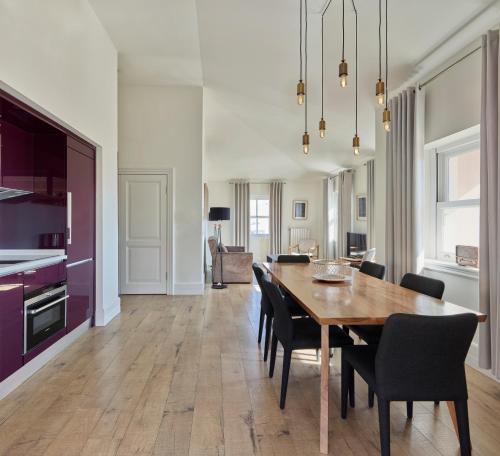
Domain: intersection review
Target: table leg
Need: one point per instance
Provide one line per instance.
(453, 414)
(325, 374)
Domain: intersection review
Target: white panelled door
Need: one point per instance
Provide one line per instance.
(143, 234)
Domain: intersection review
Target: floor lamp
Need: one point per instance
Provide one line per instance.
(218, 214)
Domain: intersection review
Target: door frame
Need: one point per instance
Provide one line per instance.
(169, 173)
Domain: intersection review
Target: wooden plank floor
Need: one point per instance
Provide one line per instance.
(185, 376)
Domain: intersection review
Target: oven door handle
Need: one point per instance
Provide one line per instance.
(50, 304)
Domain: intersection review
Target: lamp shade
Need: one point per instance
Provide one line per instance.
(219, 213)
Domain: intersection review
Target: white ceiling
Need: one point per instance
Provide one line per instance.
(245, 53)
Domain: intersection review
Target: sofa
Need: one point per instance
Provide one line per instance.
(236, 263)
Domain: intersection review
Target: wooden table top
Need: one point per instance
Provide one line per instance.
(363, 300)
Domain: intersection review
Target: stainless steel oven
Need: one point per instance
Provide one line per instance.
(44, 314)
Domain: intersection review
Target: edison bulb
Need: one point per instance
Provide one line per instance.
(380, 99)
(343, 81)
(300, 99)
(306, 149)
(387, 125)
(356, 150)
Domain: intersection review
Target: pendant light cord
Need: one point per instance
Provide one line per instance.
(300, 39)
(386, 60)
(322, 57)
(343, 32)
(380, 39)
(356, 61)
(305, 66)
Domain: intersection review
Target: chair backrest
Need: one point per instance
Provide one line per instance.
(372, 269)
(264, 302)
(282, 323)
(293, 259)
(421, 358)
(369, 255)
(306, 245)
(424, 285)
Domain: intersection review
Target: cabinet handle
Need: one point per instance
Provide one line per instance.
(70, 216)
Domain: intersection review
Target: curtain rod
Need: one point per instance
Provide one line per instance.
(449, 67)
(257, 183)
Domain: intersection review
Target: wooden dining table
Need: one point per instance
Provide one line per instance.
(362, 300)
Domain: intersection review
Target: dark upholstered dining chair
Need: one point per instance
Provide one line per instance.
(266, 309)
(295, 334)
(293, 259)
(372, 269)
(419, 358)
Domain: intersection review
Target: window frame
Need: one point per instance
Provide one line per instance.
(438, 154)
(257, 217)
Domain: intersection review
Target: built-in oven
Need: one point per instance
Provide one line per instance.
(44, 314)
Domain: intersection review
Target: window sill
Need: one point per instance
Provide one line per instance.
(448, 267)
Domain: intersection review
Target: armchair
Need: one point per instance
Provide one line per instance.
(236, 263)
(305, 247)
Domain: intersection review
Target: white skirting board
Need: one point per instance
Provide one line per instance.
(21, 375)
(189, 288)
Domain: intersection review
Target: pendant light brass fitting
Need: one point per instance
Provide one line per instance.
(301, 92)
(305, 142)
(380, 91)
(386, 119)
(343, 73)
(322, 128)
(355, 144)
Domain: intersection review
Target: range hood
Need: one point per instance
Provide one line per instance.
(6, 193)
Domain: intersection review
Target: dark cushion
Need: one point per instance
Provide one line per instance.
(293, 259)
(307, 334)
(371, 334)
(362, 358)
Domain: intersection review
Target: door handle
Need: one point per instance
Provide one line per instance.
(70, 217)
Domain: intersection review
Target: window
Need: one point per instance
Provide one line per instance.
(456, 197)
(259, 217)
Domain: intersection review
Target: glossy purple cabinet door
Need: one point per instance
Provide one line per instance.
(81, 294)
(11, 324)
(81, 203)
(42, 277)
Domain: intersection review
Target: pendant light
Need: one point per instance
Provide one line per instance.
(322, 123)
(355, 140)
(343, 64)
(386, 116)
(379, 86)
(301, 89)
(305, 136)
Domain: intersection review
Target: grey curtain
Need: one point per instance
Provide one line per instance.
(370, 203)
(242, 214)
(344, 210)
(489, 242)
(404, 248)
(275, 216)
(329, 206)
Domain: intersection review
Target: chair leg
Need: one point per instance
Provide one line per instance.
(345, 384)
(261, 324)
(274, 348)
(463, 427)
(287, 358)
(436, 402)
(346, 329)
(371, 397)
(409, 409)
(269, 323)
(351, 388)
(384, 419)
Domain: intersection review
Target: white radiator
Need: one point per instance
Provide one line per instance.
(297, 234)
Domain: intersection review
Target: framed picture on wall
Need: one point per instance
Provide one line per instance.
(361, 207)
(299, 210)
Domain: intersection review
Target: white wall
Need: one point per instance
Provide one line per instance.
(221, 194)
(58, 58)
(161, 127)
(359, 188)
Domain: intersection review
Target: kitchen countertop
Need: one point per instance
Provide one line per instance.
(30, 259)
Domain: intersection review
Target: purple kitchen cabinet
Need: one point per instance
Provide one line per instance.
(42, 277)
(11, 324)
(81, 293)
(81, 201)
